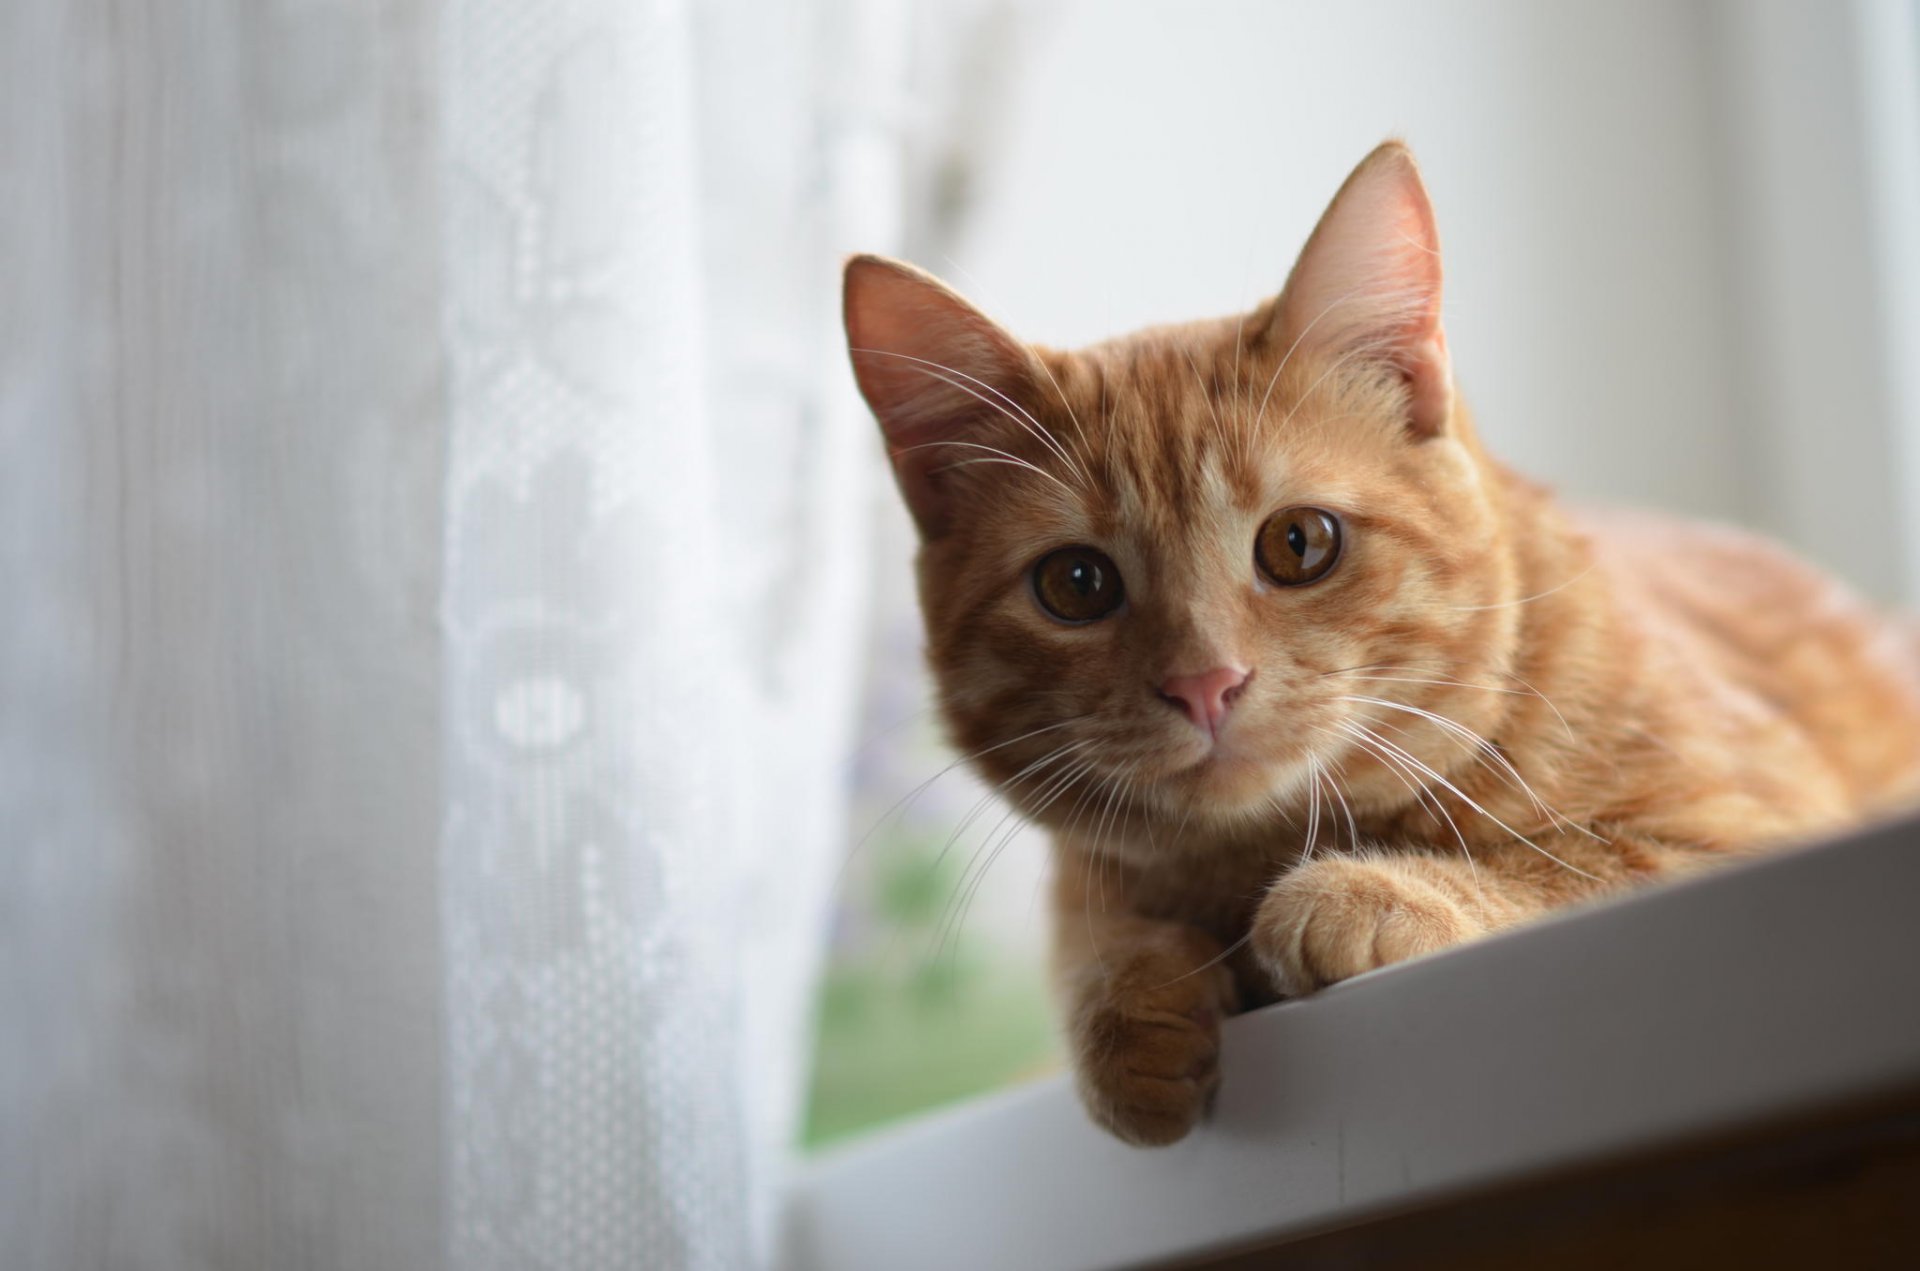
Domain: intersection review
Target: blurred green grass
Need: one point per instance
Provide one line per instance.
(907, 1023)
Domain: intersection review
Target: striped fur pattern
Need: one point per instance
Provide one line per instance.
(1490, 708)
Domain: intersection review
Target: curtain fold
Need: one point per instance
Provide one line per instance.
(431, 523)
(220, 464)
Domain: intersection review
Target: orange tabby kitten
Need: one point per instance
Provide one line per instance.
(1302, 680)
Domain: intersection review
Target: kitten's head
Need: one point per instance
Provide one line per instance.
(1162, 563)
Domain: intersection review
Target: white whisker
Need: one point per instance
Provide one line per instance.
(1100, 834)
(1525, 600)
(1353, 826)
(1287, 357)
(1484, 752)
(1004, 790)
(906, 801)
(1525, 689)
(1059, 392)
(1359, 351)
(963, 890)
(1313, 810)
(1457, 793)
(1004, 457)
(1381, 748)
(1025, 418)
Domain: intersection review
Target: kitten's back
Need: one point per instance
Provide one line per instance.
(1745, 610)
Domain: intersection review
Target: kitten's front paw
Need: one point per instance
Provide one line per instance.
(1336, 917)
(1146, 1044)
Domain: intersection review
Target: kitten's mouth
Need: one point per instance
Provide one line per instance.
(1226, 775)
(1233, 775)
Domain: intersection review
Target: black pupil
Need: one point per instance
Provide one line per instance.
(1084, 576)
(1297, 539)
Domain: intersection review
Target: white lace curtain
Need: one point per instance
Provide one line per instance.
(430, 509)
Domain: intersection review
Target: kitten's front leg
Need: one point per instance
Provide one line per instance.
(1338, 916)
(1143, 1001)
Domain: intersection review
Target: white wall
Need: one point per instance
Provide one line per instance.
(1596, 170)
(1822, 125)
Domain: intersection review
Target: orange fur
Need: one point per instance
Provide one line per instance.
(1609, 699)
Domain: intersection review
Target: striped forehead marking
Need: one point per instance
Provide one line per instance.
(1178, 464)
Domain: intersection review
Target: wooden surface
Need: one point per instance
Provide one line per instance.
(1838, 1190)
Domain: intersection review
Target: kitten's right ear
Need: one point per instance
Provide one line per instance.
(1367, 285)
(936, 372)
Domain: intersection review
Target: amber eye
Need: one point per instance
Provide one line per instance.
(1298, 546)
(1077, 584)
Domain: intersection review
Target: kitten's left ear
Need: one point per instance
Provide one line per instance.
(1367, 284)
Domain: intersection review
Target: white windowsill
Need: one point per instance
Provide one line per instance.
(1785, 984)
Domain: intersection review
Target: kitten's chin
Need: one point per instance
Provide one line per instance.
(1228, 785)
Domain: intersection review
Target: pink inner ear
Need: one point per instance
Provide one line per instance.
(1369, 278)
(933, 369)
(916, 455)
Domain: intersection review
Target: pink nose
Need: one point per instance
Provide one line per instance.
(1207, 697)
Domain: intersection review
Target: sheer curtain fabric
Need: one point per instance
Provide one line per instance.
(430, 523)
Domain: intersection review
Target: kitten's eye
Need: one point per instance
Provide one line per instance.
(1297, 546)
(1077, 584)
